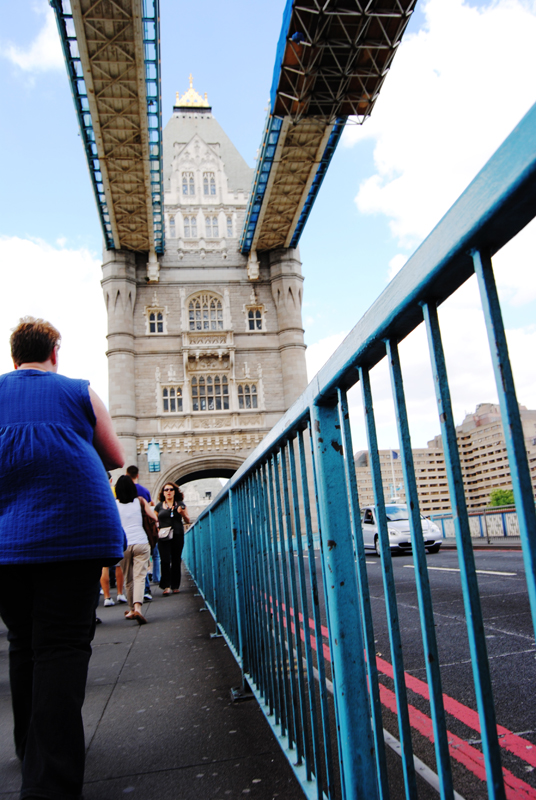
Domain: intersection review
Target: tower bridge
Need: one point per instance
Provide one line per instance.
(201, 275)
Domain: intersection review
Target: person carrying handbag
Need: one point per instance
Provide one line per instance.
(172, 514)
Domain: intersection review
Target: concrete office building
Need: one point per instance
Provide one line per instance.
(205, 346)
(483, 458)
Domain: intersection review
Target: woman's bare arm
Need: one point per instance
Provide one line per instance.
(149, 510)
(105, 440)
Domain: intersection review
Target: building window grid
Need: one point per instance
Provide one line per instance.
(188, 184)
(206, 314)
(229, 227)
(209, 183)
(190, 227)
(255, 319)
(247, 396)
(172, 229)
(210, 393)
(171, 399)
(156, 322)
(211, 227)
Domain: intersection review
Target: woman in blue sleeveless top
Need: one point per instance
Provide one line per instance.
(57, 517)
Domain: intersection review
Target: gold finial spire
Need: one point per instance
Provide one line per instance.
(191, 98)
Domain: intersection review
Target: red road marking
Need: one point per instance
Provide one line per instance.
(466, 754)
(520, 747)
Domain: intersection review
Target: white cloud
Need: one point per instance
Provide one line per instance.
(61, 285)
(456, 90)
(318, 353)
(396, 264)
(44, 53)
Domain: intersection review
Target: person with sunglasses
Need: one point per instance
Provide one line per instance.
(172, 514)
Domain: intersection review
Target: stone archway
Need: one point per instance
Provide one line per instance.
(222, 466)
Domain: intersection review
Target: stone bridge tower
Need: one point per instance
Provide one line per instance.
(204, 356)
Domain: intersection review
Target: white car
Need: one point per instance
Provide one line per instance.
(399, 530)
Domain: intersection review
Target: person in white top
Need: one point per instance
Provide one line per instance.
(136, 558)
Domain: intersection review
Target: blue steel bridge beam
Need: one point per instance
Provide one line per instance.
(330, 65)
(112, 159)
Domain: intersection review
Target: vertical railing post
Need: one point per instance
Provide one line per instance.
(466, 560)
(216, 633)
(512, 427)
(424, 595)
(364, 598)
(352, 709)
(393, 621)
(238, 579)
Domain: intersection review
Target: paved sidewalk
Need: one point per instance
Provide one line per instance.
(160, 724)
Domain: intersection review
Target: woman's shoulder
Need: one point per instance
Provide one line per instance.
(158, 507)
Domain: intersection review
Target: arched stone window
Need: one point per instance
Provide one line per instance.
(156, 321)
(211, 226)
(205, 313)
(255, 319)
(171, 399)
(229, 227)
(172, 231)
(210, 393)
(190, 227)
(209, 183)
(188, 184)
(247, 395)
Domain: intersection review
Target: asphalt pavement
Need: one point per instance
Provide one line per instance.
(160, 723)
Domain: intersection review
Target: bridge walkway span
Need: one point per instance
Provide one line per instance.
(159, 719)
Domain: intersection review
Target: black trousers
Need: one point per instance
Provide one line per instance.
(170, 561)
(49, 650)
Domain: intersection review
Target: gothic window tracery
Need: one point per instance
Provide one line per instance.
(229, 227)
(190, 227)
(209, 183)
(172, 230)
(211, 227)
(188, 184)
(205, 313)
(255, 318)
(156, 322)
(171, 399)
(210, 393)
(247, 395)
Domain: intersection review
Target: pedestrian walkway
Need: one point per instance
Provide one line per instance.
(160, 723)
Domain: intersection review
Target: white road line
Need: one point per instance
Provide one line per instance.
(454, 569)
(420, 767)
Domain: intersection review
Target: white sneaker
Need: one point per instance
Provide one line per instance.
(109, 602)
(121, 598)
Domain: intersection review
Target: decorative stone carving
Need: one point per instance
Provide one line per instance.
(208, 339)
(211, 423)
(204, 364)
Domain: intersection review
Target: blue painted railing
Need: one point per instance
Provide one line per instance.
(492, 524)
(305, 641)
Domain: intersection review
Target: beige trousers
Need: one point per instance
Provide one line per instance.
(134, 565)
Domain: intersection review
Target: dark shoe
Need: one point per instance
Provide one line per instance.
(138, 616)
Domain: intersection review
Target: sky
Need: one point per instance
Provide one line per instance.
(461, 80)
